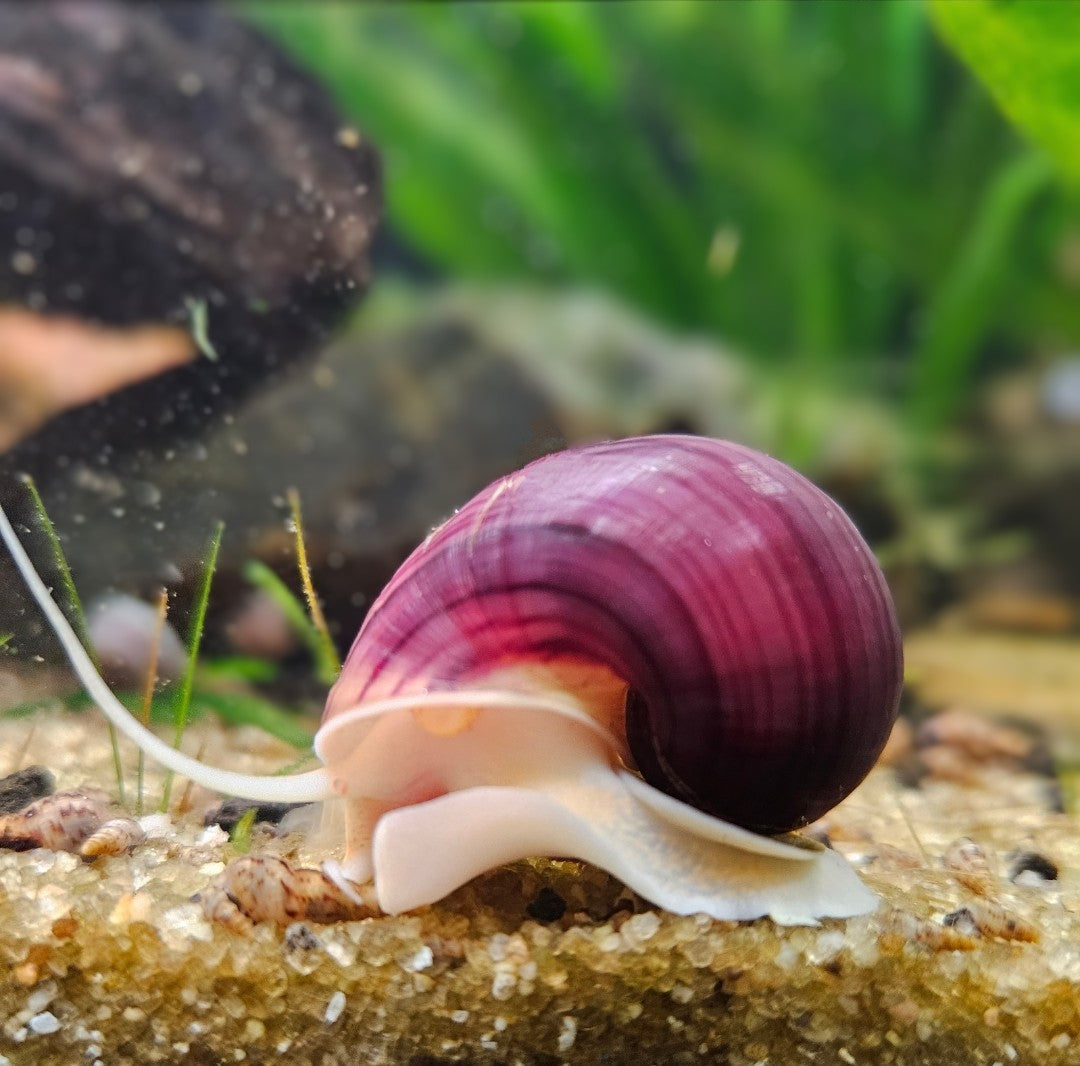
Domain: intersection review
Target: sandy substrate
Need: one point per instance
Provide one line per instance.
(111, 961)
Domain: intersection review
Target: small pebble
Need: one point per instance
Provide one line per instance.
(227, 814)
(20, 789)
(975, 735)
(43, 1024)
(334, 1008)
(1031, 862)
(963, 921)
(548, 906)
(298, 937)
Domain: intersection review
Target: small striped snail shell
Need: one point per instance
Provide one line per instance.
(653, 654)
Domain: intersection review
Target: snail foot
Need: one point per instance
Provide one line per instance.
(424, 851)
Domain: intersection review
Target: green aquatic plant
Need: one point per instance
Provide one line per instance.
(199, 321)
(819, 184)
(182, 705)
(327, 660)
(263, 578)
(240, 835)
(309, 623)
(1028, 56)
(147, 701)
(206, 685)
(72, 605)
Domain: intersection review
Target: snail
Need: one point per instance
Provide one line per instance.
(658, 654)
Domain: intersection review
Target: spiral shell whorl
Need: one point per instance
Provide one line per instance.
(738, 602)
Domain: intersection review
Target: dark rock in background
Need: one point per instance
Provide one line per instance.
(157, 155)
(400, 421)
(20, 789)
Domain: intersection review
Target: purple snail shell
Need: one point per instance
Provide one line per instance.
(738, 603)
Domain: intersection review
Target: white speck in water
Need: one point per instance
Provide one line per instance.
(334, 1008)
(43, 1023)
(23, 262)
(189, 83)
(146, 493)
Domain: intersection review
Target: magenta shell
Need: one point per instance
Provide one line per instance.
(738, 601)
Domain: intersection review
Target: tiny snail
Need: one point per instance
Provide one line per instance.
(655, 654)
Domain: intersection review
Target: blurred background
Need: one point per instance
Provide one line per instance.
(391, 251)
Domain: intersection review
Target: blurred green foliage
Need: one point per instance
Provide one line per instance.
(822, 185)
(1028, 54)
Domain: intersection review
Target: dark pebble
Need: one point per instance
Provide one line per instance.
(548, 906)
(963, 921)
(21, 788)
(1032, 860)
(299, 938)
(231, 811)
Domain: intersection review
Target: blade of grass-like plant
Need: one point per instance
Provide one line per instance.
(75, 610)
(239, 668)
(148, 690)
(262, 577)
(905, 72)
(297, 764)
(241, 832)
(327, 659)
(198, 617)
(958, 315)
(244, 709)
(477, 151)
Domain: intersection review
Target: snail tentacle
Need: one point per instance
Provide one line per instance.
(296, 788)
